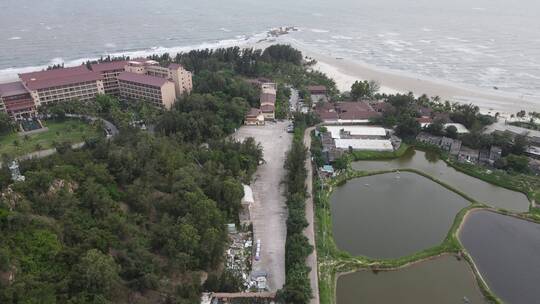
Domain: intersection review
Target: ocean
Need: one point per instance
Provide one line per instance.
(484, 43)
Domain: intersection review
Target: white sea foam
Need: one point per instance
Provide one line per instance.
(110, 45)
(15, 38)
(319, 31)
(223, 29)
(342, 37)
(10, 74)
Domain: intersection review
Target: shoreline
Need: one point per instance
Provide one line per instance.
(345, 72)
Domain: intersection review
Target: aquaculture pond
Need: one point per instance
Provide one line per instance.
(392, 215)
(429, 163)
(506, 251)
(442, 280)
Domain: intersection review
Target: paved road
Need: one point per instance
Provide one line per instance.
(309, 232)
(269, 212)
(293, 100)
(109, 125)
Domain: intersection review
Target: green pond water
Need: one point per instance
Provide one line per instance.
(444, 280)
(429, 163)
(392, 215)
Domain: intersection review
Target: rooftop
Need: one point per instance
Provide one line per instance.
(109, 66)
(365, 144)
(175, 66)
(58, 77)
(142, 79)
(268, 108)
(268, 98)
(253, 112)
(316, 88)
(12, 89)
(347, 111)
(356, 130)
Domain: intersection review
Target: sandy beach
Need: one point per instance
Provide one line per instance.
(345, 72)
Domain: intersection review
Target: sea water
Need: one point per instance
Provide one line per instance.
(485, 43)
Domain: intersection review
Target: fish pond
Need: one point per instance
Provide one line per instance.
(392, 215)
(506, 251)
(444, 280)
(430, 164)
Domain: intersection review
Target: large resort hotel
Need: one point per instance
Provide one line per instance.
(134, 80)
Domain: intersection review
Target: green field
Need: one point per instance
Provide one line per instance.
(73, 131)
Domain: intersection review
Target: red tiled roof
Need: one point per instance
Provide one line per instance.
(58, 77)
(355, 110)
(316, 88)
(142, 79)
(109, 66)
(175, 66)
(424, 120)
(380, 106)
(253, 112)
(327, 115)
(268, 98)
(12, 89)
(267, 108)
(425, 111)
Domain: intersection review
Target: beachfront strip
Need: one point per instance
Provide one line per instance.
(131, 80)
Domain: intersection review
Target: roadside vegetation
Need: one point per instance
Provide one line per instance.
(297, 289)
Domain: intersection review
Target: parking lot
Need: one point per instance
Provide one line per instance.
(269, 212)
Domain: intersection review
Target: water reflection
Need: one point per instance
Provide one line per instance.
(429, 163)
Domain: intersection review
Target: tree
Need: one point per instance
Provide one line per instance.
(281, 52)
(360, 90)
(374, 87)
(436, 128)
(6, 124)
(451, 131)
(517, 163)
(408, 128)
(97, 273)
(519, 145)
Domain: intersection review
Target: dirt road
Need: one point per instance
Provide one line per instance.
(269, 212)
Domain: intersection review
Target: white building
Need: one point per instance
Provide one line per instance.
(360, 138)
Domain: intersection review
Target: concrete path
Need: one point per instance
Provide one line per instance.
(269, 212)
(501, 125)
(310, 216)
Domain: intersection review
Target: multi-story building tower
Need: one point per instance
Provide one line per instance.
(110, 71)
(16, 101)
(139, 87)
(63, 85)
(181, 77)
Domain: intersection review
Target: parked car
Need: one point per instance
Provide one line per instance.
(290, 129)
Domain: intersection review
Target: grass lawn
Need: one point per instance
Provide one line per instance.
(373, 155)
(73, 131)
